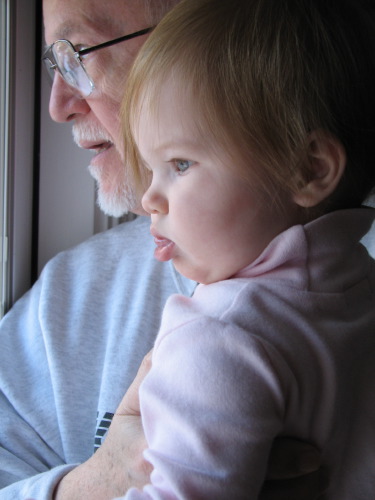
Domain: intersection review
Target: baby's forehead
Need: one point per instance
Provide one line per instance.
(166, 100)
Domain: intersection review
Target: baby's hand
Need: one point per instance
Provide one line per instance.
(294, 472)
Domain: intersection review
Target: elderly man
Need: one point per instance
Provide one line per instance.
(72, 345)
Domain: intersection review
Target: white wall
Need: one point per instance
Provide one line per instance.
(67, 191)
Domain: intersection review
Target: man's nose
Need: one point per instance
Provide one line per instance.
(65, 103)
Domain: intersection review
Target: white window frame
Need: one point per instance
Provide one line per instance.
(4, 151)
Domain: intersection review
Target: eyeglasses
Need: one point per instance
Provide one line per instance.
(63, 56)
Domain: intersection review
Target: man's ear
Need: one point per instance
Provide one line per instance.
(327, 158)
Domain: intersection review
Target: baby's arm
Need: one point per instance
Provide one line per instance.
(294, 471)
(200, 428)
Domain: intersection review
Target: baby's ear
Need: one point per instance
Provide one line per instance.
(327, 158)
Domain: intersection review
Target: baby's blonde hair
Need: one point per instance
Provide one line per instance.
(263, 75)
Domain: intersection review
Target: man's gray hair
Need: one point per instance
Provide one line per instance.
(156, 9)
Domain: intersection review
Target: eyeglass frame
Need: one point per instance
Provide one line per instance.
(49, 55)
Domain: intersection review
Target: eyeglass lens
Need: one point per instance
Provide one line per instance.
(70, 67)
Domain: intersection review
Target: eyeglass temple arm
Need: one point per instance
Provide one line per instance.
(113, 42)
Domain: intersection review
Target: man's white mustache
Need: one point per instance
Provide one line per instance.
(89, 133)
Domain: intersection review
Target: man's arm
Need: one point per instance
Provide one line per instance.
(119, 463)
(115, 467)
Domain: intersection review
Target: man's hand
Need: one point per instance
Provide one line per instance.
(130, 402)
(118, 464)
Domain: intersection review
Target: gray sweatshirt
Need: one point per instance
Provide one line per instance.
(69, 350)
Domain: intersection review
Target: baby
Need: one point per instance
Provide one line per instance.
(250, 127)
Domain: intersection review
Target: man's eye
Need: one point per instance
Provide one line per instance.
(81, 46)
(182, 165)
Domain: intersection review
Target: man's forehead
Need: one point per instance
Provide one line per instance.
(84, 25)
(76, 18)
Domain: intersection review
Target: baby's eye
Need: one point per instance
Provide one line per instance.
(182, 165)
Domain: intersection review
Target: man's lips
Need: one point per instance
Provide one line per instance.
(164, 247)
(96, 148)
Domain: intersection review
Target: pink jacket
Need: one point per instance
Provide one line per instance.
(286, 347)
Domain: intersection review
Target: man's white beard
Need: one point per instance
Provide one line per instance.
(116, 202)
(120, 199)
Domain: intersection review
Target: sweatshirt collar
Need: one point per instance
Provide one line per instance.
(305, 255)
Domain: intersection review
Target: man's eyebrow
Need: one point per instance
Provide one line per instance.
(65, 31)
(94, 26)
